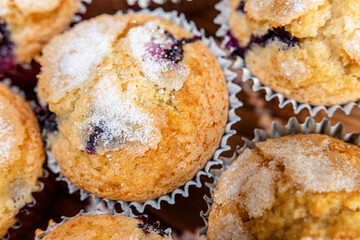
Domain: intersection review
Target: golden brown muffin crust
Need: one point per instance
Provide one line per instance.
(314, 59)
(102, 227)
(22, 155)
(185, 119)
(292, 187)
(34, 23)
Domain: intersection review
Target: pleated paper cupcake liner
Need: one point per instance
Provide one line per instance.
(278, 130)
(224, 32)
(82, 6)
(233, 89)
(146, 3)
(31, 214)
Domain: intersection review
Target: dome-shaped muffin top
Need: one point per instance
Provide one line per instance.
(21, 157)
(141, 105)
(99, 227)
(306, 50)
(30, 24)
(292, 187)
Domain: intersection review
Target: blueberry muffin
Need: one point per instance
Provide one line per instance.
(103, 227)
(21, 158)
(293, 187)
(140, 105)
(26, 25)
(307, 50)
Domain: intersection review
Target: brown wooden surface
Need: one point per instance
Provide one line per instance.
(256, 113)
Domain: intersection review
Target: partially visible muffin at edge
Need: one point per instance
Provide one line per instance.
(292, 187)
(141, 105)
(21, 158)
(307, 50)
(103, 227)
(26, 25)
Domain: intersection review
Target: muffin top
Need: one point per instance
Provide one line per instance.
(307, 50)
(140, 104)
(104, 227)
(32, 23)
(22, 156)
(290, 187)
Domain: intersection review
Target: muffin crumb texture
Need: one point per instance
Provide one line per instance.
(21, 156)
(322, 68)
(140, 105)
(103, 227)
(33, 23)
(293, 187)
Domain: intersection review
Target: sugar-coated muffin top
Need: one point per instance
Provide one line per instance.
(21, 158)
(32, 23)
(291, 187)
(104, 227)
(140, 104)
(307, 50)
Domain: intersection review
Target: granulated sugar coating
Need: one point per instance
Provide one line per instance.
(290, 187)
(147, 45)
(140, 104)
(324, 49)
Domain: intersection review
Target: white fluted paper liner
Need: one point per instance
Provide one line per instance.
(14, 89)
(41, 186)
(127, 213)
(146, 3)
(223, 20)
(278, 130)
(233, 89)
(82, 8)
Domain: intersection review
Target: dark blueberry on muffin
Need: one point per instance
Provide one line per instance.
(6, 50)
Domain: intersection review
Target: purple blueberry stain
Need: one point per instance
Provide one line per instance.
(278, 33)
(92, 142)
(46, 118)
(173, 51)
(145, 226)
(7, 63)
(241, 7)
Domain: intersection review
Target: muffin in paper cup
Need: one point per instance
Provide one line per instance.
(279, 52)
(23, 180)
(119, 226)
(94, 144)
(295, 181)
(26, 26)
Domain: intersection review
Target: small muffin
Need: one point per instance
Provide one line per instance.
(21, 158)
(141, 105)
(293, 187)
(103, 227)
(26, 25)
(307, 50)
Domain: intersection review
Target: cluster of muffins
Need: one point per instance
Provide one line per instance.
(133, 106)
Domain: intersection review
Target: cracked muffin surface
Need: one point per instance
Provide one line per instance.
(141, 105)
(306, 50)
(292, 187)
(21, 158)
